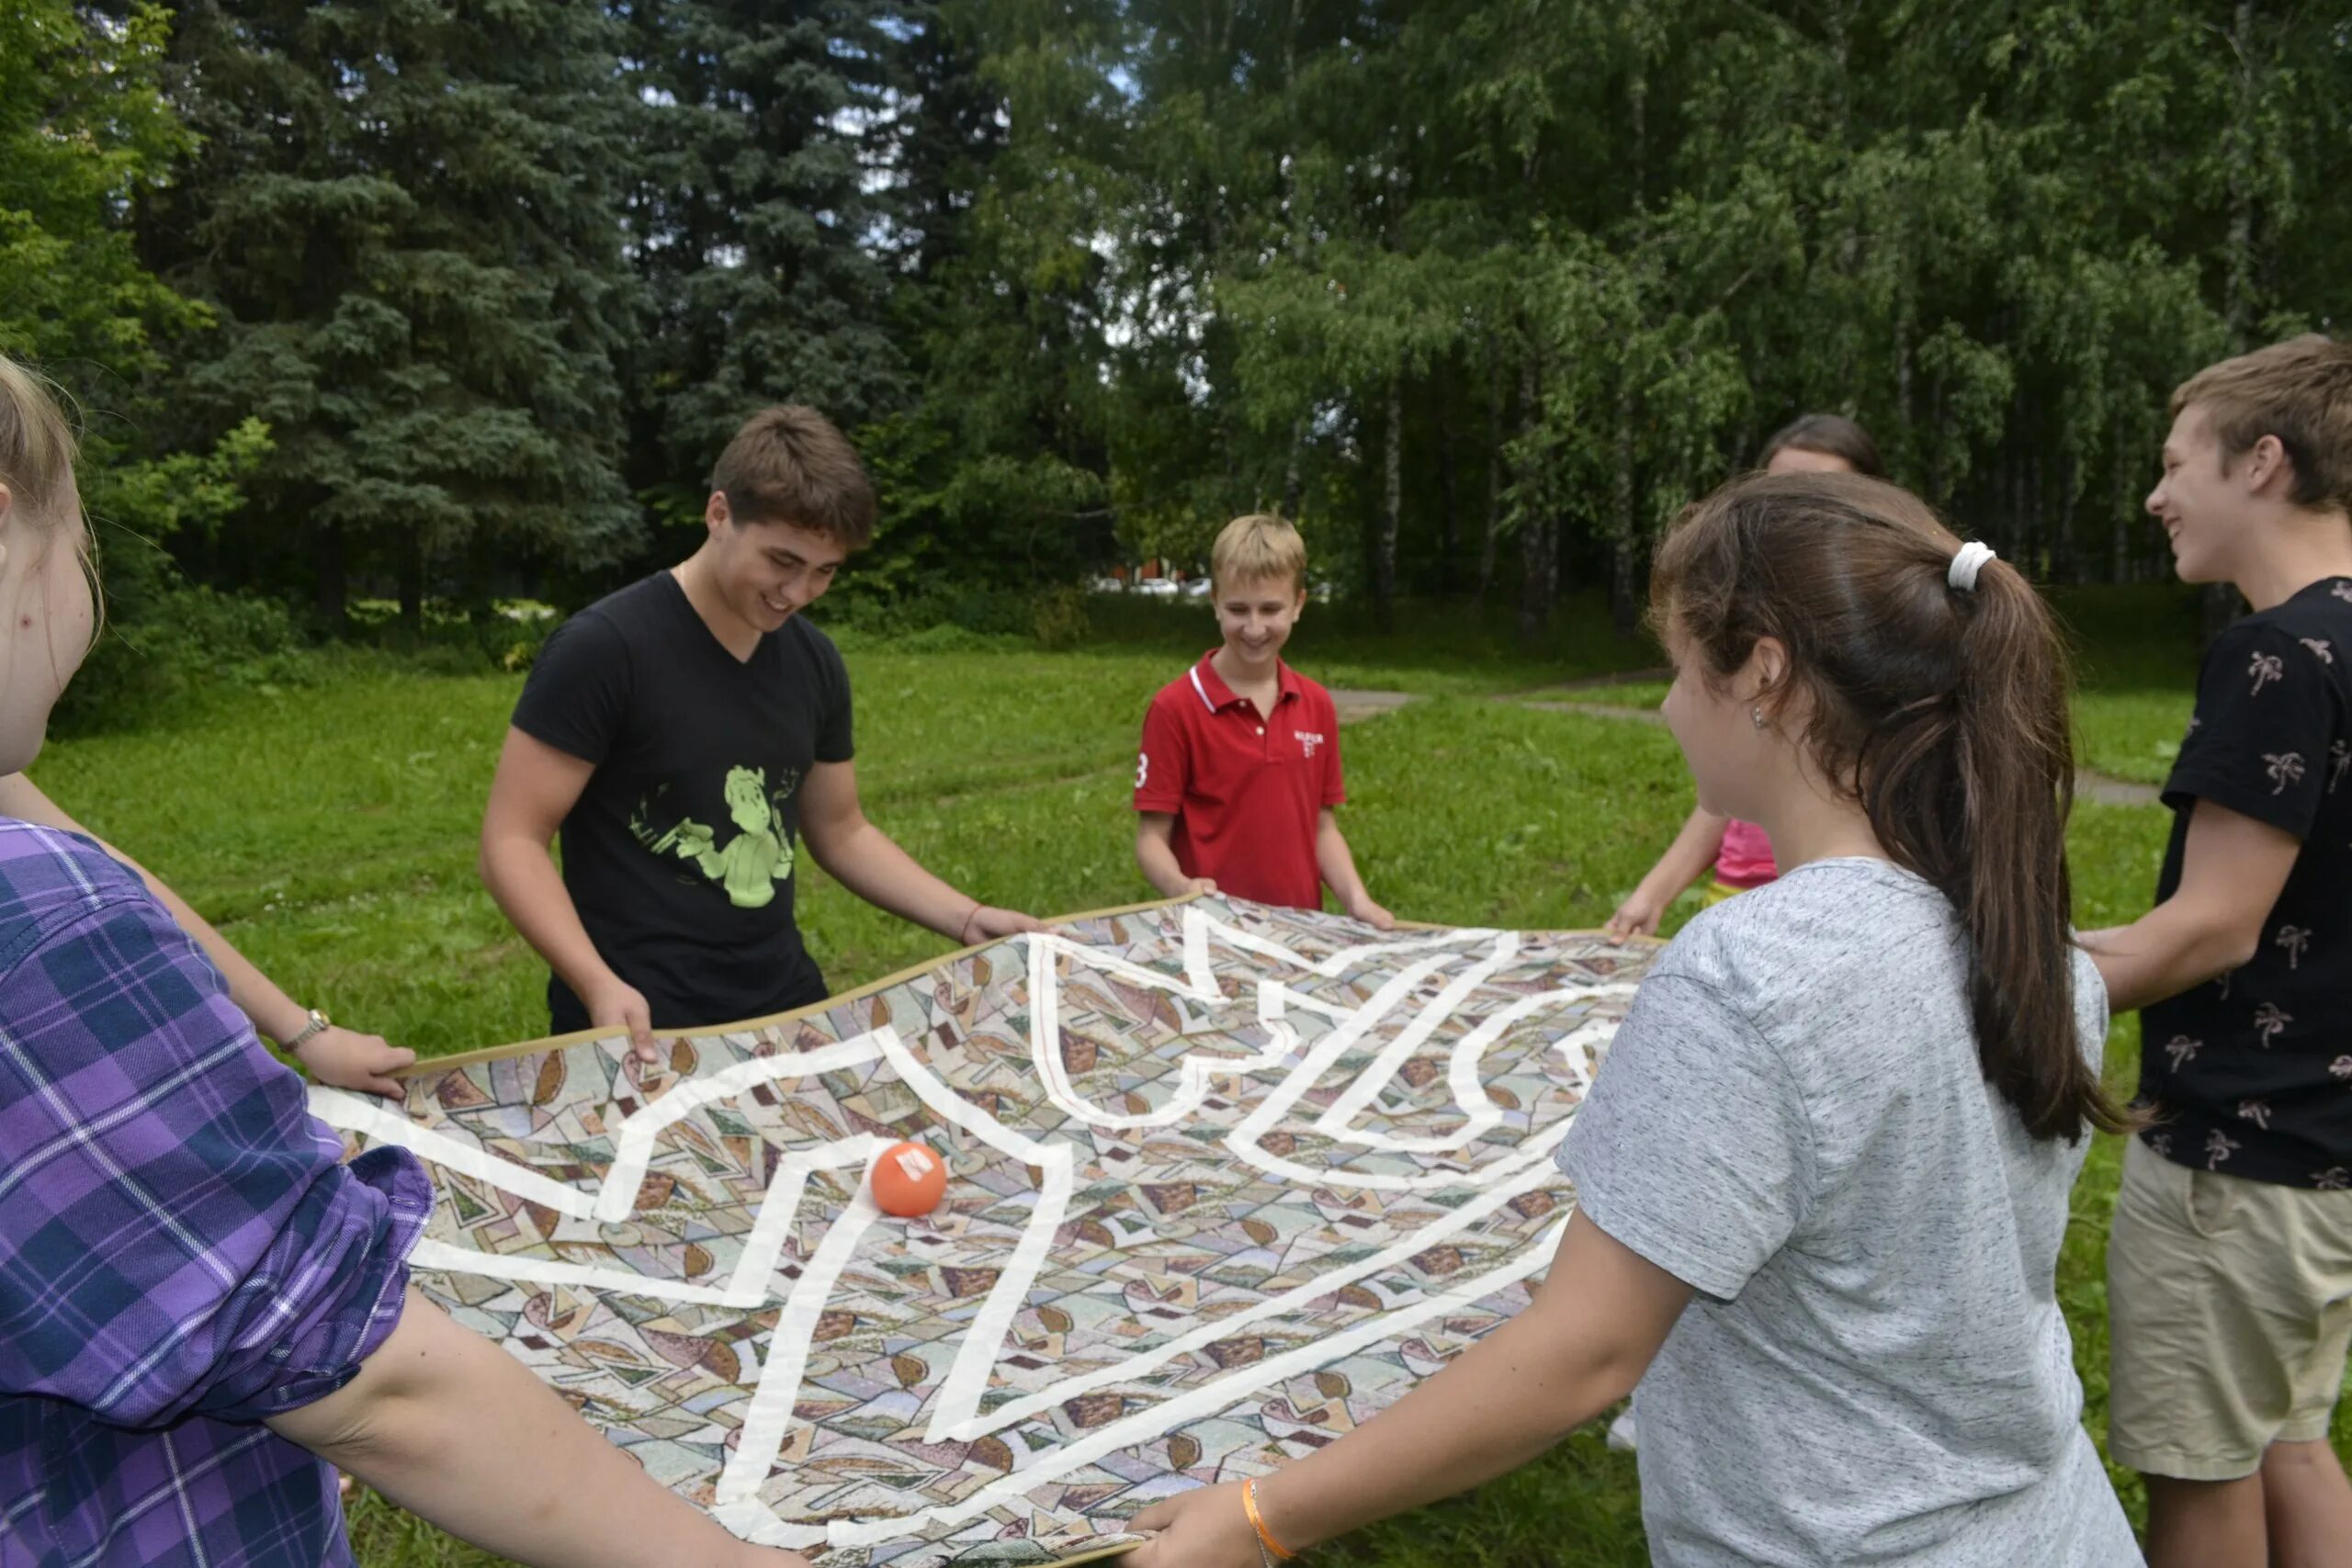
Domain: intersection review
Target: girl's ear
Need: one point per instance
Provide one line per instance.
(1767, 668)
(7, 500)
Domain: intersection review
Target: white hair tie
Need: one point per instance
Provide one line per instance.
(1966, 562)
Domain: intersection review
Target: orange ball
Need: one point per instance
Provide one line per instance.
(907, 1180)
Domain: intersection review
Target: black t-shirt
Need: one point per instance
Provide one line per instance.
(2251, 1073)
(680, 853)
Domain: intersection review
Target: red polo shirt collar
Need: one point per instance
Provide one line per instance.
(1215, 696)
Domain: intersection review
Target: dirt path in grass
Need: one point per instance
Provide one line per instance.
(1354, 706)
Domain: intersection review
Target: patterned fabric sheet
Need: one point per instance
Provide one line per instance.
(1225, 1182)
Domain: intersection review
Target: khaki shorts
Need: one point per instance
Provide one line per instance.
(2229, 1308)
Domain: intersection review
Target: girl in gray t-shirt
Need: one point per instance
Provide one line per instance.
(1823, 1179)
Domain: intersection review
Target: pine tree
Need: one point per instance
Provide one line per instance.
(756, 224)
(404, 217)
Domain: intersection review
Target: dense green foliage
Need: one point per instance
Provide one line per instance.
(451, 300)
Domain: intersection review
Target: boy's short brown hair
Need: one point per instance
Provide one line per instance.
(789, 464)
(2301, 391)
(1256, 548)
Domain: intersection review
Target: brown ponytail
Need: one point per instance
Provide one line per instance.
(1941, 711)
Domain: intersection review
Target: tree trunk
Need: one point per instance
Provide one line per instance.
(2062, 541)
(2020, 546)
(1448, 524)
(411, 584)
(481, 577)
(2238, 286)
(1494, 472)
(2220, 604)
(1537, 578)
(2120, 568)
(1903, 334)
(1392, 507)
(1292, 477)
(1623, 611)
(333, 593)
(1294, 223)
(1625, 547)
(1939, 494)
(1626, 585)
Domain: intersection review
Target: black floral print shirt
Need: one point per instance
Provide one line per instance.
(2252, 1074)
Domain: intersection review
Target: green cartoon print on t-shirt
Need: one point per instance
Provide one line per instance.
(749, 864)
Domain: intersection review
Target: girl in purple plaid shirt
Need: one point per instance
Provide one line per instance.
(201, 1305)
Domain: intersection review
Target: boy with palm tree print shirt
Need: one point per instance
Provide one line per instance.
(2230, 1259)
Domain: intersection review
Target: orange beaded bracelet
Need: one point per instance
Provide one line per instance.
(1258, 1522)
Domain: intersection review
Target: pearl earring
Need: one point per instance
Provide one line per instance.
(1756, 716)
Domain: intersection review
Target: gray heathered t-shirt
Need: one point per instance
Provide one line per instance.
(1875, 1371)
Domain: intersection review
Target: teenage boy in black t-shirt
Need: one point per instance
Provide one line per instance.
(2230, 1262)
(689, 735)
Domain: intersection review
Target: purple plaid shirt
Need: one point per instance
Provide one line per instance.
(182, 1253)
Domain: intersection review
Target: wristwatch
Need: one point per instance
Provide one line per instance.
(318, 1021)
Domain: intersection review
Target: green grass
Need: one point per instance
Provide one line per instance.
(2130, 735)
(1431, 648)
(2136, 661)
(1620, 695)
(330, 830)
(2136, 655)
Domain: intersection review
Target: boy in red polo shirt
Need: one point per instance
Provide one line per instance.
(1240, 762)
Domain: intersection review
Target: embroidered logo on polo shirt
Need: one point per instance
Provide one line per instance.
(1309, 740)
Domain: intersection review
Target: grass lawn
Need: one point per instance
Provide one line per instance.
(2135, 661)
(330, 831)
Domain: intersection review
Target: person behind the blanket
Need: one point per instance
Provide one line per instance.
(1740, 853)
(1238, 780)
(200, 1303)
(2230, 1262)
(688, 735)
(1822, 1178)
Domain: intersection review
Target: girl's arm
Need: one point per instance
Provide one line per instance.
(1686, 860)
(457, 1431)
(337, 1055)
(1582, 1344)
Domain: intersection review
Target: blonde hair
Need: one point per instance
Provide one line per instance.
(36, 445)
(1256, 548)
(37, 451)
(2301, 391)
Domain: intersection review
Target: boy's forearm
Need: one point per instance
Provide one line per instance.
(2163, 953)
(529, 889)
(1156, 857)
(457, 1431)
(870, 863)
(1335, 863)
